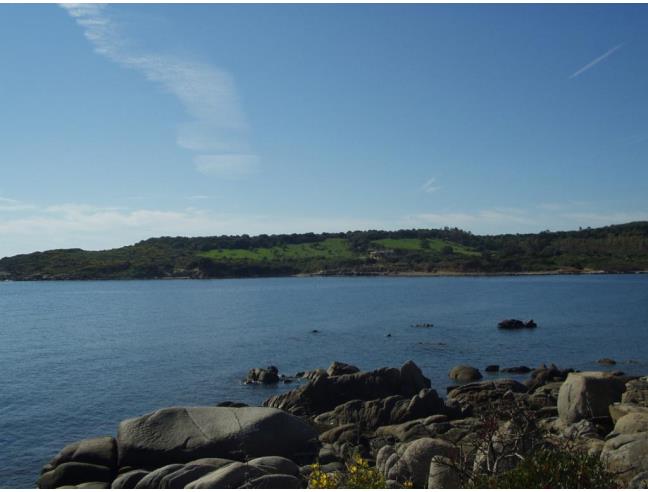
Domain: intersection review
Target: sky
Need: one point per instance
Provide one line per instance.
(124, 122)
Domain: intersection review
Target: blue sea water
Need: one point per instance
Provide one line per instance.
(78, 357)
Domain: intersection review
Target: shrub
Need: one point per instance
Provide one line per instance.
(554, 468)
(358, 475)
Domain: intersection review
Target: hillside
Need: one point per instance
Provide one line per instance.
(619, 248)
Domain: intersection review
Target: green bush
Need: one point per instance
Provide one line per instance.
(552, 469)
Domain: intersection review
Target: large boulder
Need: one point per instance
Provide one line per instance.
(182, 434)
(587, 395)
(325, 392)
(231, 476)
(464, 374)
(626, 454)
(618, 410)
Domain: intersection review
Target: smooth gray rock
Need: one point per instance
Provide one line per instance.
(187, 474)
(276, 481)
(229, 477)
(640, 481)
(129, 479)
(586, 395)
(183, 434)
(414, 464)
(275, 465)
(152, 479)
(74, 473)
(98, 451)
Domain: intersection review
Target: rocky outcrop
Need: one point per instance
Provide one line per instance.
(484, 395)
(636, 392)
(386, 411)
(544, 375)
(588, 395)
(325, 392)
(465, 374)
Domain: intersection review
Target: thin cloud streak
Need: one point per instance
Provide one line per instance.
(217, 124)
(430, 186)
(596, 61)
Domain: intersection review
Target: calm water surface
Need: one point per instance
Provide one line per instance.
(78, 357)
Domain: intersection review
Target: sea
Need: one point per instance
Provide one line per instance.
(76, 358)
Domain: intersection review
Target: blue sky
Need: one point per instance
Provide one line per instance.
(123, 122)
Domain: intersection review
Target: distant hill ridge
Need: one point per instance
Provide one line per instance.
(617, 248)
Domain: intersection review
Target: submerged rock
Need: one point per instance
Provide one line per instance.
(269, 375)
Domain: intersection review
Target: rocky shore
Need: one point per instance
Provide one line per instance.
(388, 423)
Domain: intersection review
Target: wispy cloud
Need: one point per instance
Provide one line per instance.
(430, 186)
(216, 123)
(596, 61)
(11, 205)
(227, 166)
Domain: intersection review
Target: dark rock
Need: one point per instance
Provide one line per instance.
(492, 368)
(182, 434)
(340, 368)
(232, 404)
(269, 375)
(75, 473)
(422, 325)
(516, 324)
(324, 393)
(465, 374)
(517, 370)
(544, 375)
(606, 361)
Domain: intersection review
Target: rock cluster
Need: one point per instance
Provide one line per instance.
(390, 417)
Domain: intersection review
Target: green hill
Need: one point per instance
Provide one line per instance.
(619, 248)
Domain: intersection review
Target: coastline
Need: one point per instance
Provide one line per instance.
(404, 274)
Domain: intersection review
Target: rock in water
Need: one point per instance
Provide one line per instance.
(182, 434)
(269, 375)
(465, 374)
(586, 395)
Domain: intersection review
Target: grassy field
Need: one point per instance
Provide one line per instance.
(328, 249)
(433, 246)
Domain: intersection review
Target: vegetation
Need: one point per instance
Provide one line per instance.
(620, 248)
(553, 469)
(358, 475)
